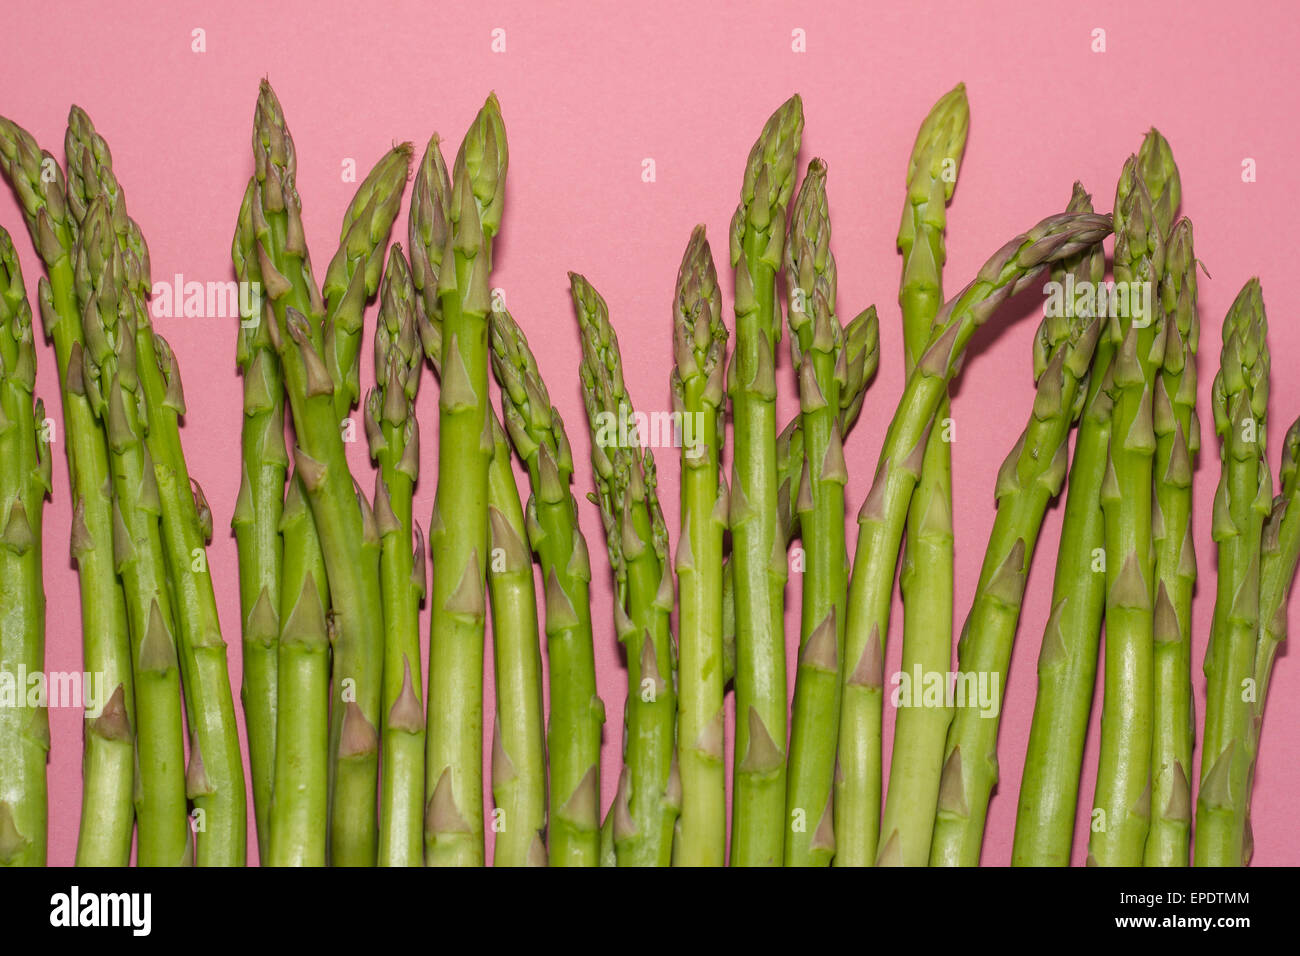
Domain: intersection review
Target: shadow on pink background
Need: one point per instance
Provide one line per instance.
(587, 98)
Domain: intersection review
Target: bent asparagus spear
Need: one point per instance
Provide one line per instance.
(1029, 479)
(883, 513)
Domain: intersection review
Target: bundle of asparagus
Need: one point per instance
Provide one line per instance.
(355, 762)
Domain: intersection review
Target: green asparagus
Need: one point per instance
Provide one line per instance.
(453, 830)
(700, 347)
(883, 513)
(256, 523)
(1177, 441)
(1122, 799)
(1279, 554)
(816, 341)
(1242, 502)
(573, 735)
(108, 764)
(215, 778)
(299, 804)
(518, 741)
(25, 480)
(344, 522)
(926, 576)
(1030, 477)
(758, 553)
(394, 438)
(649, 790)
(110, 381)
(352, 276)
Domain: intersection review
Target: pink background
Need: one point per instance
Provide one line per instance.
(590, 90)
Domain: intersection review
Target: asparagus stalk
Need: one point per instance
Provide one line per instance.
(258, 540)
(110, 381)
(573, 735)
(298, 814)
(1177, 441)
(1028, 480)
(926, 576)
(1243, 500)
(881, 519)
(1122, 800)
(394, 438)
(700, 346)
(215, 779)
(108, 771)
(816, 341)
(649, 790)
(1279, 555)
(352, 276)
(862, 355)
(458, 531)
(344, 522)
(1067, 663)
(25, 480)
(758, 554)
(518, 741)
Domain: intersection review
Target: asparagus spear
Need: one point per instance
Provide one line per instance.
(344, 523)
(1029, 479)
(857, 787)
(1067, 663)
(256, 523)
(25, 480)
(110, 381)
(394, 438)
(1279, 555)
(1122, 800)
(353, 274)
(758, 554)
(649, 789)
(519, 756)
(215, 778)
(458, 531)
(700, 346)
(1177, 441)
(862, 355)
(816, 341)
(108, 773)
(299, 805)
(573, 736)
(1242, 502)
(926, 576)
(518, 741)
